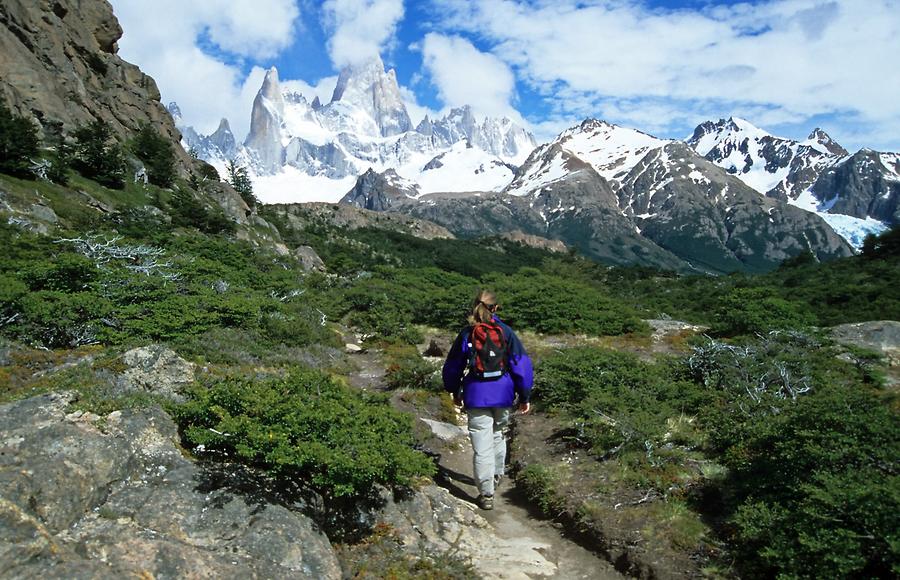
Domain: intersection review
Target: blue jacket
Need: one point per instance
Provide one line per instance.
(489, 393)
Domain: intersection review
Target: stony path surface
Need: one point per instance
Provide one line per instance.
(524, 546)
(537, 549)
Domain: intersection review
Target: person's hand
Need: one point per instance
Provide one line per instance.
(524, 408)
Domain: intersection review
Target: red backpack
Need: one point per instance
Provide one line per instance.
(488, 351)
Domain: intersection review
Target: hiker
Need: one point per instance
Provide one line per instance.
(487, 371)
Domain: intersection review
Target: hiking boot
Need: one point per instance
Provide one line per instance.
(486, 502)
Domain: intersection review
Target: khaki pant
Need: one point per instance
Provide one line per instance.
(487, 431)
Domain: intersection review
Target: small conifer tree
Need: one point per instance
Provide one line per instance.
(98, 156)
(19, 143)
(157, 154)
(239, 179)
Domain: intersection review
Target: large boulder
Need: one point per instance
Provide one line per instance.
(94, 497)
(156, 370)
(882, 336)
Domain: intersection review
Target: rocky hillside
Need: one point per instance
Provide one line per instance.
(58, 66)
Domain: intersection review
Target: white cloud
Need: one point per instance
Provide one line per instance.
(416, 111)
(163, 38)
(463, 75)
(360, 28)
(789, 59)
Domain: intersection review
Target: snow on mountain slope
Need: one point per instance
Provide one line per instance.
(460, 169)
(610, 149)
(294, 186)
(612, 152)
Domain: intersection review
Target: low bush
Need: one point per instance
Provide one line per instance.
(818, 488)
(553, 305)
(616, 401)
(758, 310)
(307, 426)
(410, 371)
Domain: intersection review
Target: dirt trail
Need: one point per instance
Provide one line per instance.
(527, 546)
(514, 522)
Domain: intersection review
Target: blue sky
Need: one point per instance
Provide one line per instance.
(662, 67)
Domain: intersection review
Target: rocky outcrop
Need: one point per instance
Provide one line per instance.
(713, 220)
(300, 216)
(265, 124)
(368, 87)
(58, 65)
(111, 497)
(309, 259)
(533, 241)
(378, 191)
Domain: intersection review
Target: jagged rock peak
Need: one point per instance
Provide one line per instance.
(271, 87)
(819, 136)
(175, 111)
(368, 86)
(316, 104)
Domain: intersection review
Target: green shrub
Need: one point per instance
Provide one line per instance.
(539, 483)
(553, 305)
(616, 401)
(189, 212)
(819, 491)
(19, 144)
(338, 439)
(240, 181)
(757, 310)
(375, 308)
(58, 320)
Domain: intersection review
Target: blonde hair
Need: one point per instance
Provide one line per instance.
(483, 307)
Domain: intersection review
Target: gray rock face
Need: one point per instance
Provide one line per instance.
(58, 64)
(502, 137)
(580, 209)
(865, 185)
(300, 216)
(85, 498)
(265, 124)
(155, 369)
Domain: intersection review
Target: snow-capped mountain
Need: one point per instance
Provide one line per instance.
(624, 196)
(306, 151)
(612, 151)
(220, 144)
(855, 194)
